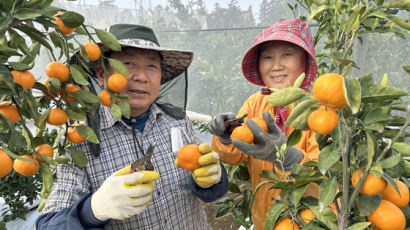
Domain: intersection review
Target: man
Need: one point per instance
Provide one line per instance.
(105, 194)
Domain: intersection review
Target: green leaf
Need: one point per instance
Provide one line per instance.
(116, 111)
(108, 39)
(86, 96)
(25, 13)
(273, 214)
(327, 217)
(400, 22)
(47, 176)
(353, 93)
(71, 19)
(78, 157)
(327, 193)
(407, 68)
(19, 66)
(77, 115)
(118, 66)
(367, 204)
(328, 156)
(299, 80)
(316, 10)
(125, 108)
(62, 159)
(376, 114)
(234, 188)
(9, 51)
(359, 226)
(402, 148)
(222, 212)
(376, 169)
(49, 160)
(297, 194)
(385, 80)
(35, 35)
(300, 109)
(17, 140)
(89, 132)
(371, 148)
(270, 175)
(380, 93)
(45, 3)
(78, 74)
(390, 161)
(285, 96)
(42, 118)
(294, 138)
(301, 122)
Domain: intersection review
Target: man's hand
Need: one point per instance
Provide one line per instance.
(217, 127)
(210, 171)
(123, 194)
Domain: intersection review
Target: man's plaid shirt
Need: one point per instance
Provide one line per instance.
(173, 205)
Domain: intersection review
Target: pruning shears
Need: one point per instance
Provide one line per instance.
(144, 163)
(233, 123)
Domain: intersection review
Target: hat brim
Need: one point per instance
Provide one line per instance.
(173, 63)
(250, 62)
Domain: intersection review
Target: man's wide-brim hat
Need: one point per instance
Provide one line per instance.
(173, 62)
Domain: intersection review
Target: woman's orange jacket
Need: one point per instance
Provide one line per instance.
(254, 106)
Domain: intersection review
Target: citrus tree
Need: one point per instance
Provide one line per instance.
(361, 128)
(64, 100)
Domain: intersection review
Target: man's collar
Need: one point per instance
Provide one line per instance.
(107, 119)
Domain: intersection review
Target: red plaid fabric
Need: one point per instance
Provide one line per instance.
(295, 32)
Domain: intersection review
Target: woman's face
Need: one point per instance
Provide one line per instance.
(281, 63)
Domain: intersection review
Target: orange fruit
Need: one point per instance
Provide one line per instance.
(117, 82)
(6, 164)
(286, 224)
(387, 216)
(44, 149)
(9, 110)
(372, 185)
(93, 51)
(328, 90)
(73, 134)
(323, 120)
(69, 88)
(57, 117)
(188, 157)
(262, 123)
(307, 216)
(393, 196)
(26, 168)
(243, 133)
(58, 70)
(61, 27)
(24, 78)
(105, 98)
(50, 94)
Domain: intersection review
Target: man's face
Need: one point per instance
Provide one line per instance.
(281, 63)
(144, 81)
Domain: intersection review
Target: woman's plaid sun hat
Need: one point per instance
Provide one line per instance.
(296, 32)
(173, 62)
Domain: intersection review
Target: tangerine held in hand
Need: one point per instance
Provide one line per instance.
(244, 134)
(188, 157)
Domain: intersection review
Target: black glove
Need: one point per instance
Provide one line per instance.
(268, 143)
(217, 127)
(292, 156)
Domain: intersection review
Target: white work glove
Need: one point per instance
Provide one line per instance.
(123, 195)
(210, 171)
